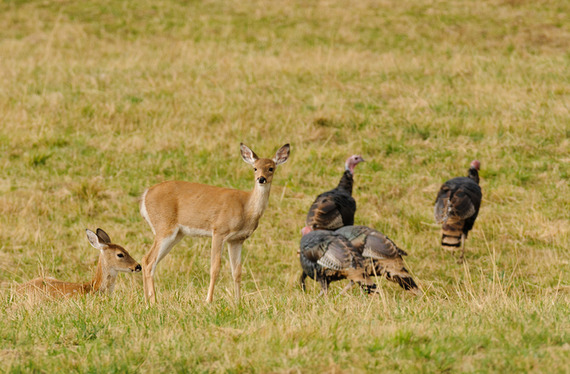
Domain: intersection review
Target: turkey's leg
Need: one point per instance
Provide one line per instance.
(462, 257)
(347, 287)
(325, 288)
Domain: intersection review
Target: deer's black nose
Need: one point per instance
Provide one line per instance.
(262, 180)
(138, 268)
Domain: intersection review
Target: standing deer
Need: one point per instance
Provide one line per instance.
(112, 260)
(174, 209)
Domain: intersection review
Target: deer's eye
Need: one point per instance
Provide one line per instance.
(270, 169)
(120, 255)
(254, 169)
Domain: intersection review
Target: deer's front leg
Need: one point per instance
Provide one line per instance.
(217, 242)
(234, 249)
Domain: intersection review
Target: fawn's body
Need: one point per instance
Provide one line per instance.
(112, 260)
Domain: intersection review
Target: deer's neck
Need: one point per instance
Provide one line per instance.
(104, 280)
(258, 200)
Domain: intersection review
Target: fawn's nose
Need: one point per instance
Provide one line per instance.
(138, 268)
(262, 180)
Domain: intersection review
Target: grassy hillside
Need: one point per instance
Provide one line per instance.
(99, 100)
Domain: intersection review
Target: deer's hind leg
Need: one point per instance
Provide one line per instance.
(217, 243)
(160, 248)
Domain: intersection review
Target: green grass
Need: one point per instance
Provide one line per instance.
(99, 100)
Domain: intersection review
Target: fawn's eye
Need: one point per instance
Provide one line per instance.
(120, 255)
(254, 169)
(270, 169)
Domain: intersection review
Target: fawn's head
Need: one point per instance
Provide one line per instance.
(114, 257)
(264, 167)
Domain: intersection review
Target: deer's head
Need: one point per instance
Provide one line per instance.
(264, 167)
(114, 257)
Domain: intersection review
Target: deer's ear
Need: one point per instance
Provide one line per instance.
(94, 240)
(103, 236)
(247, 154)
(282, 155)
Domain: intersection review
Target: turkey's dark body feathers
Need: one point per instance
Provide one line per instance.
(327, 257)
(457, 206)
(382, 257)
(334, 208)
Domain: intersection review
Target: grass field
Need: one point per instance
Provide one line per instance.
(99, 100)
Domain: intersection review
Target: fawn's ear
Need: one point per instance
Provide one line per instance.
(247, 154)
(282, 155)
(94, 240)
(103, 236)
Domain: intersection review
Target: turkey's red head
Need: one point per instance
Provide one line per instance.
(476, 164)
(352, 161)
(305, 230)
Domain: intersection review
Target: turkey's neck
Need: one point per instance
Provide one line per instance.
(346, 182)
(473, 174)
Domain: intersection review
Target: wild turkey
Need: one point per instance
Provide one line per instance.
(335, 208)
(381, 255)
(327, 257)
(456, 207)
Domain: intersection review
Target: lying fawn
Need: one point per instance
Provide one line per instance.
(174, 209)
(112, 260)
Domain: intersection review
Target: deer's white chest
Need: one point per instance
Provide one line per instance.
(191, 231)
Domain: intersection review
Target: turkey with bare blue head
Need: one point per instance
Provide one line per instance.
(456, 208)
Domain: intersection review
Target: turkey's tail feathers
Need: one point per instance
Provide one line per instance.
(451, 233)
